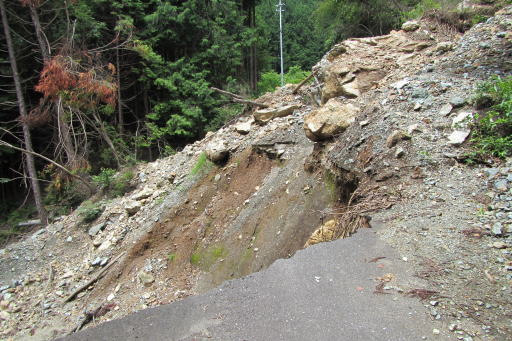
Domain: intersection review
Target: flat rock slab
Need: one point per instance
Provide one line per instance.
(325, 292)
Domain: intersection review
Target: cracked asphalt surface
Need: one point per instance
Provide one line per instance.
(325, 292)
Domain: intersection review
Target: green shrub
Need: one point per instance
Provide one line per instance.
(202, 165)
(492, 128)
(104, 178)
(90, 211)
(121, 183)
(171, 257)
(195, 259)
(111, 184)
(62, 196)
(271, 80)
(223, 115)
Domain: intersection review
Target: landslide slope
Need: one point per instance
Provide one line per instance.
(369, 141)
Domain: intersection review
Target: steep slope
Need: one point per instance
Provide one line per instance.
(369, 141)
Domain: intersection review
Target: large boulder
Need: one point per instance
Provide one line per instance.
(331, 119)
(410, 26)
(217, 151)
(244, 127)
(263, 116)
(132, 207)
(349, 82)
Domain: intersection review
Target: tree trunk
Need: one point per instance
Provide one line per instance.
(72, 159)
(120, 112)
(23, 113)
(43, 45)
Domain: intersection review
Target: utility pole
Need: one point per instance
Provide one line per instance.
(281, 10)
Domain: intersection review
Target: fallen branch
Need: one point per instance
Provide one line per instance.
(8, 145)
(303, 82)
(239, 99)
(422, 294)
(90, 316)
(92, 280)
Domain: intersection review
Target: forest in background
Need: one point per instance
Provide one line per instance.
(101, 85)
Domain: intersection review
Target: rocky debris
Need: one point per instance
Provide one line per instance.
(335, 52)
(96, 228)
(410, 26)
(144, 194)
(445, 46)
(457, 101)
(244, 127)
(263, 116)
(458, 137)
(146, 279)
(395, 137)
(446, 109)
(331, 119)
(217, 151)
(462, 119)
(452, 223)
(132, 207)
(349, 82)
(399, 152)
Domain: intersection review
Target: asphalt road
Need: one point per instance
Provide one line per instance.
(325, 292)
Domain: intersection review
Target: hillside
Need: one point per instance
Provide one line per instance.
(375, 141)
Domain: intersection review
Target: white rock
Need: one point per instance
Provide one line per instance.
(105, 245)
(445, 46)
(217, 151)
(460, 118)
(410, 26)
(400, 84)
(244, 127)
(446, 109)
(132, 207)
(458, 137)
(413, 128)
(144, 194)
(266, 115)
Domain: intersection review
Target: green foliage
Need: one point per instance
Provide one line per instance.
(171, 257)
(17, 216)
(421, 8)
(223, 115)
(104, 179)
(202, 165)
(111, 184)
(303, 46)
(90, 211)
(206, 258)
(492, 129)
(195, 259)
(339, 19)
(121, 183)
(271, 80)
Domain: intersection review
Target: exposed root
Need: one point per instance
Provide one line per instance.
(431, 269)
(354, 215)
(422, 294)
